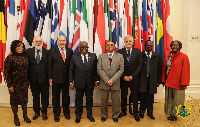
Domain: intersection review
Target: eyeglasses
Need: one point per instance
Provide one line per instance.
(39, 41)
(84, 48)
(110, 45)
(175, 45)
(149, 45)
(62, 40)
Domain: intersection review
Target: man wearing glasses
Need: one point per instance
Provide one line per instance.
(37, 57)
(83, 76)
(58, 73)
(110, 68)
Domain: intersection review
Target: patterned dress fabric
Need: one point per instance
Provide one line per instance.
(16, 75)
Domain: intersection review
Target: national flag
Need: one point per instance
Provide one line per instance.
(99, 46)
(11, 24)
(144, 24)
(154, 23)
(46, 31)
(90, 26)
(20, 11)
(140, 21)
(131, 16)
(95, 13)
(128, 21)
(55, 25)
(39, 19)
(149, 16)
(28, 23)
(108, 32)
(159, 48)
(76, 39)
(72, 23)
(63, 19)
(136, 35)
(2, 37)
(84, 23)
(169, 37)
(121, 23)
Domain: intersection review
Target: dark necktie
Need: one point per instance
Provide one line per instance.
(38, 57)
(110, 58)
(148, 64)
(85, 61)
(128, 55)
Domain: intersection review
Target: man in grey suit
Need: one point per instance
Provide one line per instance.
(83, 71)
(110, 68)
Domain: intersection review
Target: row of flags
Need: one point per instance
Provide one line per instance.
(93, 21)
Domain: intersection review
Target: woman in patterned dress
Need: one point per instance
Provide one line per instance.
(16, 75)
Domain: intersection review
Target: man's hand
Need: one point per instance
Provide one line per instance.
(51, 81)
(183, 87)
(72, 86)
(96, 84)
(110, 82)
(11, 89)
(126, 78)
(130, 78)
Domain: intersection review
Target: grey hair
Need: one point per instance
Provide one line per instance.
(127, 37)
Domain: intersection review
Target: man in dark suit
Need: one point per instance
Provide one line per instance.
(83, 71)
(150, 78)
(37, 57)
(58, 74)
(110, 68)
(130, 77)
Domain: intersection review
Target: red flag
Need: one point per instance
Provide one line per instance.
(128, 19)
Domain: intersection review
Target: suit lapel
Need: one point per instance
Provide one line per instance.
(33, 55)
(113, 59)
(80, 59)
(132, 53)
(58, 54)
(89, 59)
(42, 57)
(107, 58)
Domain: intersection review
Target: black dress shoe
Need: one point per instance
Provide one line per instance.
(56, 118)
(91, 118)
(103, 119)
(122, 114)
(115, 120)
(151, 116)
(136, 117)
(141, 115)
(67, 117)
(16, 121)
(78, 119)
(36, 116)
(44, 116)
(27, 120)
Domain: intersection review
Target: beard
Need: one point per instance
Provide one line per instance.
(38, 47)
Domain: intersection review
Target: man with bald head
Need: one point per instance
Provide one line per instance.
(58, 74)
(38, 77)
(83, 76)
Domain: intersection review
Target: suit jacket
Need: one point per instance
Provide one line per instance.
(37, 72)
(58, 70)
(113, 71)
(82, 75)
(155, 73)
(133, 67)
(179, 73)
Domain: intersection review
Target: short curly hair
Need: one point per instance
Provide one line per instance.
(14, 45)
(179, 42)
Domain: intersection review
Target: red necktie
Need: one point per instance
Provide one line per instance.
(63, 55)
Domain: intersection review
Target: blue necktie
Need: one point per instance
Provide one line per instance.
(128, 55)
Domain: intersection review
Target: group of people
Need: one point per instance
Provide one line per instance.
(111, 72)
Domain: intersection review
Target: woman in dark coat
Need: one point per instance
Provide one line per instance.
(16, 75)
(176, 78)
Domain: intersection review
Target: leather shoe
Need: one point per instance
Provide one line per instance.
(115, 120)
(151, 116)
(56, 118)
(91, 118)
(141, 115)
(78, 119)
(137, 117)
(67, 117)
(103, 119)
(45, 117)
(36, 116)
(27, 120)
(16, 121)
(122, 114)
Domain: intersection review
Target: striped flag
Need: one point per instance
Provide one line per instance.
(149, 15)
(159, 48)
(20, 10)
(128, 23)
(76, 39)
(121, 23)
(108, 32)
(144, 24)
(154, 23)
(90, 26)
(55, 25)
(2, 37)
(28, 23)
(99, 45)
(95, 12)
(84, 23)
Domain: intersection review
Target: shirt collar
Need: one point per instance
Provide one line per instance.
(60, 48)
(129, 49)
